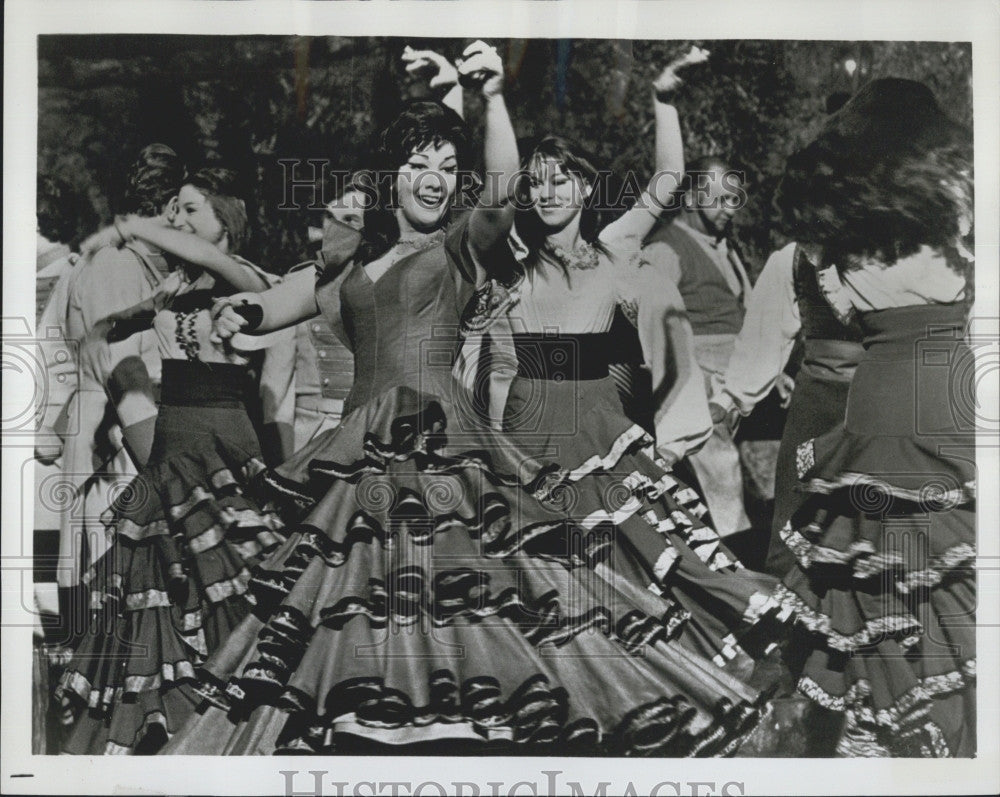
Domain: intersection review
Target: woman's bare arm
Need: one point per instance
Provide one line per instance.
(493, 217)
(292, 301)
(666, 180)
(194, 250)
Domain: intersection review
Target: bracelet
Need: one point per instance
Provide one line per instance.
(666, 96)
(252, 313)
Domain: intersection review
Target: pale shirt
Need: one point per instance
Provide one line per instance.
(276, 388)
(772, 321)
(766, 338)
(922, 278)
(54, 263)
(109, 282)
(583, 301)
(112, 281)
(56, 360)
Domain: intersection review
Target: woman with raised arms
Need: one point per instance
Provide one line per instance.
(441, 591)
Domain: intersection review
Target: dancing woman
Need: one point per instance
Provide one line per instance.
(885, 544)
(183, 535)
(562, 403)
(440, 594)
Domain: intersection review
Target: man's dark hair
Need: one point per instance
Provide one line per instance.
(701, 165)
(64, 214)
(153, 180)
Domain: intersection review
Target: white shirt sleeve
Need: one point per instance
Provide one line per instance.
(766, 338)
(650, 299)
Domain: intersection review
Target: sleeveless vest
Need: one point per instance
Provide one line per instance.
(818, 319)
(712, 307)
(831, 350)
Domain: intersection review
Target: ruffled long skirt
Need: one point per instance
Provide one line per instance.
(448, 589)
(885, 544)
(184, 537)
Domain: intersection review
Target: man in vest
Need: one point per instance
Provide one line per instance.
(692, 251)
(324, 365)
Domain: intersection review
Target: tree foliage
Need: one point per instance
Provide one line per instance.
(252, 101)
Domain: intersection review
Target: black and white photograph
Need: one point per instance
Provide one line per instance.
(485, 398)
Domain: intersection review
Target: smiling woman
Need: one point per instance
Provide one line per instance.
(207, 207)
(186, 532)
(415, 198)
(501, 573)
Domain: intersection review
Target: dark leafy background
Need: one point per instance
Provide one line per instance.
(251, 101)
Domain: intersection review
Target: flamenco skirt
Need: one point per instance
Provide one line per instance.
(463, 594)
(173, 584)
(885, 546)
(817, 406)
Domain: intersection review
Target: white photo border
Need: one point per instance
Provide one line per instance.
(975, 21)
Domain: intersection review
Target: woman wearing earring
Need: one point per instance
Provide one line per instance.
(563, 404)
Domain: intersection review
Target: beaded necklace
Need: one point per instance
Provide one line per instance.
(583, 258)
(417, 242)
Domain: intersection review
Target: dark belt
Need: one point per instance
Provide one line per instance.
(197, 384)
(560, 358)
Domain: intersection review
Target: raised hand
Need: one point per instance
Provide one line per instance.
(669, 79)
(441, 73)
(481, 66)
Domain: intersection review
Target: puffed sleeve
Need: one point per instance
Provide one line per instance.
(651, 301)
(766, 339)
(58, 368)
(337, 252)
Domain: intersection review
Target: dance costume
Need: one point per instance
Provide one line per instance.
(182, 539)
(451, 588)
(885, 543)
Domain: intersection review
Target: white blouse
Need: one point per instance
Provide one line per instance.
(583, 300)
(923, 278)
(765, 341)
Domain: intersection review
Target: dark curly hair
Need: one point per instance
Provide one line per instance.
(64, 214)
(153, 180)
(887, 174)
(222, 189)
(600, 208)
(420, 125)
